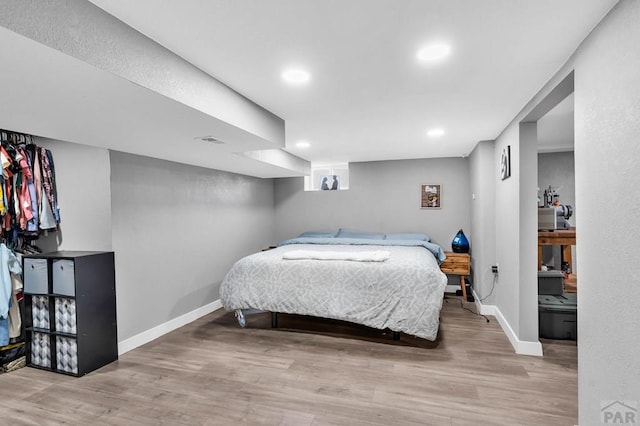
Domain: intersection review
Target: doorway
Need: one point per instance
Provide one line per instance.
(547, 136)
(556, 185)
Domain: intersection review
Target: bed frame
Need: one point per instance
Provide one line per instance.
(240, 315)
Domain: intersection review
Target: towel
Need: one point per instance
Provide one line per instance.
(356, 256)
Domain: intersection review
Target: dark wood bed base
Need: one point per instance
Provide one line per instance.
(274, 324)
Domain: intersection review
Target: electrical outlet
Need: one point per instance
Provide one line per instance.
(494, 268)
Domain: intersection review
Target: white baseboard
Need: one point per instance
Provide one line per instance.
(520, 346)
(162, 329)
(481, 308)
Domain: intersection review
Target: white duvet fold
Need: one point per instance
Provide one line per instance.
(356, 256)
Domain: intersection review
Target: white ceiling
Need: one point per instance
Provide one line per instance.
(555, 129)
(369, 99)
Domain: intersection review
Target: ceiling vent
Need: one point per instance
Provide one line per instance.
(210, 139)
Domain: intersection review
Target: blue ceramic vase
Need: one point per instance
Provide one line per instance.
(460, 243)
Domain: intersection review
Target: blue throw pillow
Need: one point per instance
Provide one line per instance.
(346, 233)
(317, 234)
(408, 236)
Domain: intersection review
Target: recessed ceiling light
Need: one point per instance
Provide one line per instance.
(435, 133)
(296, 76)
(433, 52)
(303, 144)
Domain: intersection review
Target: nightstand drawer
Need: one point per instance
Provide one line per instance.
(456, 263)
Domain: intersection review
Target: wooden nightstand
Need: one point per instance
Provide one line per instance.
(457, 264)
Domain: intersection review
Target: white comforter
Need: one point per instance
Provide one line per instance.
(403, 293)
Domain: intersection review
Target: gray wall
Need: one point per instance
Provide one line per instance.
(507, 225)
(84, 196)
(383, 196)
(607, 122)
(483, 229)
(606, 68)
(177, 230)
(527, 152)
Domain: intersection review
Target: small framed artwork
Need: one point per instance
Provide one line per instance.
(505, 163)
(431, 196)
(329, 183)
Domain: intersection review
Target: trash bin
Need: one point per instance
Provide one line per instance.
(557, 316)
(550, 282)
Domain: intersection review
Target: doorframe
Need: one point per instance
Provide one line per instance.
(528, 163)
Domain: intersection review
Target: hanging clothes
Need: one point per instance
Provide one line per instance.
(28, 173)
(54, 186)
(28, 189)
(34, 153)
(15, 319)
(5, 161)
(47, 179)
(9, 264)
(24, 195)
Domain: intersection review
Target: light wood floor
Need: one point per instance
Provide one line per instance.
(213, 372)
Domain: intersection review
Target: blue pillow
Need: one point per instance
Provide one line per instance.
(317, 234)
(408, 236)
(346, 233)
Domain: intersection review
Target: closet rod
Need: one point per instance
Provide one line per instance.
(15, 137)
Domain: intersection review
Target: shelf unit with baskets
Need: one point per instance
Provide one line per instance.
(70, 311)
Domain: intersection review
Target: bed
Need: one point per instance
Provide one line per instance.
(341, 278)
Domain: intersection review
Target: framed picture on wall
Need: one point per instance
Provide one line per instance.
(431, 196)
(505, 163)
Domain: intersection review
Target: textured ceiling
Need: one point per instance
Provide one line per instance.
(368, 98)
